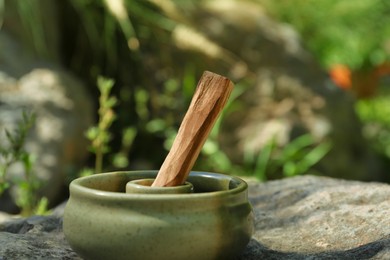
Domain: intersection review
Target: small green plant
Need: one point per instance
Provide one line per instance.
(28, 185)
(15, 153)
(100, 135)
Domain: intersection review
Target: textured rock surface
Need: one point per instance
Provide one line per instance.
(34, 238)
(320, 218)
(299, 218)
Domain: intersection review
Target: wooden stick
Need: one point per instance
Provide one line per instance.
(208, 101)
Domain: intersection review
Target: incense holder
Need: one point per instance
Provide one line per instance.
(144, 186)
(214, 220)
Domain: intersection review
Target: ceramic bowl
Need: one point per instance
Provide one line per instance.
(101, 221)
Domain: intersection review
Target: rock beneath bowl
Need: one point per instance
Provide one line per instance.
(38, 237)
(303, 217)
(312, 217)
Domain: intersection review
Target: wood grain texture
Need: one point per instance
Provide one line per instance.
(209, 99)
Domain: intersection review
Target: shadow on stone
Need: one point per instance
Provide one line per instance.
(256, 250)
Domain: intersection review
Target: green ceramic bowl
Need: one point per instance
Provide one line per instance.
(101, 221)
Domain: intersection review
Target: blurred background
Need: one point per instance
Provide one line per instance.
(102, 85)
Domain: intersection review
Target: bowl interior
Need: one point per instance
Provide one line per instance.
(203, 182)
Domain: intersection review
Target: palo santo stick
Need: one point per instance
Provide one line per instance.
(208, 101)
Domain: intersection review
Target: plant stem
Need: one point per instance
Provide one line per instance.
(98, 160)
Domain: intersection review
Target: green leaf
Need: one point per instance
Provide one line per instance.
(105, 85)
(296, 146)
(289, 169)
(42, 207)
(111, 102)
(129, 136)
(156, 125)
(263, 160)
(120, 161)
(313, 157)
(3, 187)
(210, 147)
(92, 133)
(86, 172)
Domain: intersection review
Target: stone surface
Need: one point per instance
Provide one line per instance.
(320, 218)
(34, 238)
(298, 218)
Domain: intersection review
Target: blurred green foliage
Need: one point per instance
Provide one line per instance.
(131, 43)
(296, 158)
(347, 32)
(353, 33)
(375, 115)
(128, 39)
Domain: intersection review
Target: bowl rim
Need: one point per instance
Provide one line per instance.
(76, 187)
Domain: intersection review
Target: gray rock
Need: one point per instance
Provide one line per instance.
(298, 218)
(320, 218)
(63, 112)
(34, 238)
